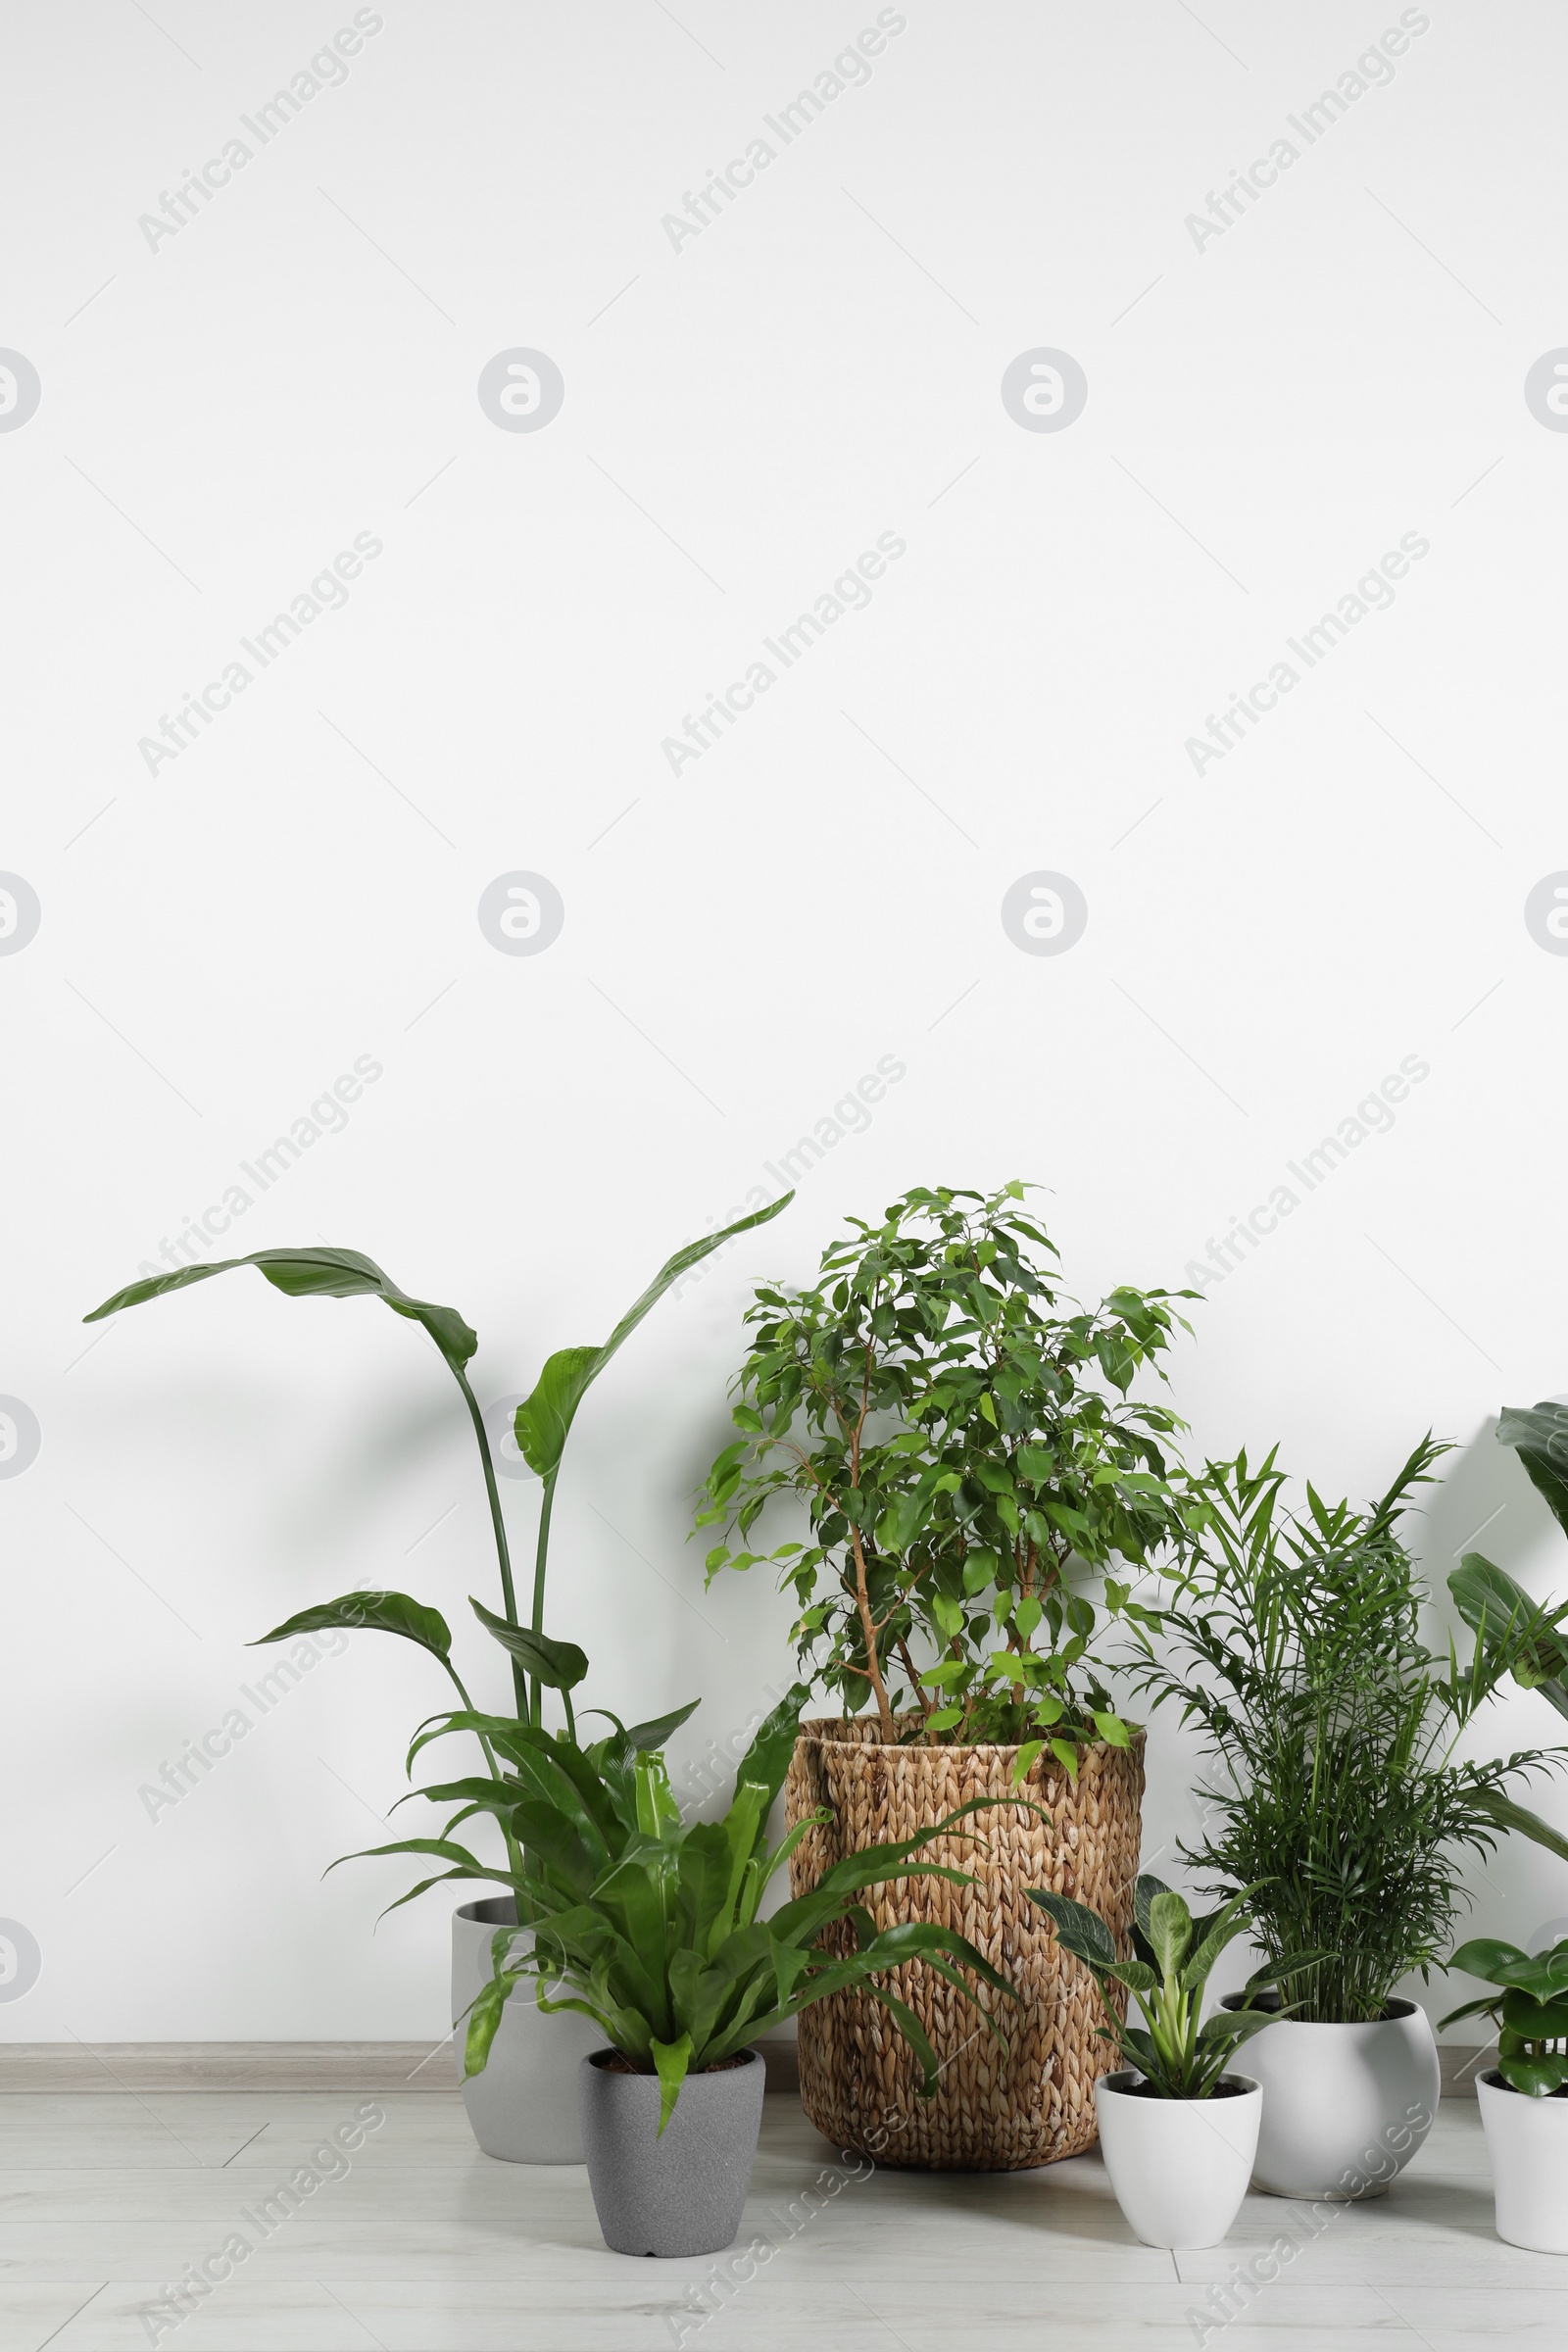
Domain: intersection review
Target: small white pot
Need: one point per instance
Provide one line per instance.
(1345, 2106)
(523, 2108)
(1527, 2141)
(1179, 2166)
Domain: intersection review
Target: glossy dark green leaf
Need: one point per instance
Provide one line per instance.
(1535, 2021)
(314, 1273)
(1536, 2077)
(374, 1612)
(1483, 1956)
(544, 1418)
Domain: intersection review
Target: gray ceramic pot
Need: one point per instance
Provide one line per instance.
(684, 2193)
(523, 2107)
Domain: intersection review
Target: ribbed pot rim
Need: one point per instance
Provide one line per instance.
(824, 1727)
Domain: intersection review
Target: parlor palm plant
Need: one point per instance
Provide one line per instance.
(1293, 1641)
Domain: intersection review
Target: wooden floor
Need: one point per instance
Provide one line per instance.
(422, 2244)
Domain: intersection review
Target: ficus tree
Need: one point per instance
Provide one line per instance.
(960, 1434)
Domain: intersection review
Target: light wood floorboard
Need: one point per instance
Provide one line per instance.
(423, 2245)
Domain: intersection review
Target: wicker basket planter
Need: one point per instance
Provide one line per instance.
(859, 2082)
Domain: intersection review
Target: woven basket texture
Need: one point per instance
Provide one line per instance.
(859, 2079)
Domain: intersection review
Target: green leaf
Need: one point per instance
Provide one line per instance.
(1507, 1815)
(1483, 1957)
(768, 1759)
(558, 1665)
(1535, 2021)
(375, 1613)
(1079, 1931)
(316, 1273)
(1541, 1440)
(1536, 2077)
(1485, 2007)
(1169, 1930)
(1517, 1636)
(654, 1732)
(484, 2020)
(1030, 1749)
(544, 1418)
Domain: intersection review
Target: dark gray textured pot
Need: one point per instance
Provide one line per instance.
(684, 2193)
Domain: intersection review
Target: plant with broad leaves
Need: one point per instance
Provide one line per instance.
(1294, 1641)
(538, 1661)
(1173, 1958)
(961, 1436)
(652, 1927)
(1499, 1612)
(1530, 2010)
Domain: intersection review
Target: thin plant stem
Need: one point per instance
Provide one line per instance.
(520, 1681)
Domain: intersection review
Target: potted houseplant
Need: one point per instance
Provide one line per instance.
(652, 1928)
(960, 1436)
(1293, 1641)
(1177, 2130)
(524, 2110)
(1524, 2097)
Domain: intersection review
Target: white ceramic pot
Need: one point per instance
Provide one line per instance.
(523, 2107)
(1527, 2141)
(1345, 2107)
(1179, 2166)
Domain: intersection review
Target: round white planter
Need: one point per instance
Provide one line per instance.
(1527, 2141)
(1179, 2166)
(1345, 2107)
(523, 2107)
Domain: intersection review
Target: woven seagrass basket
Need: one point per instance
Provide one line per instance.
(859, 2080)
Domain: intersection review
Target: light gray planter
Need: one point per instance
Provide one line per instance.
(523, 2107)
(684, 2193)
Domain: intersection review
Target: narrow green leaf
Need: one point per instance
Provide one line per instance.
(544, 1418)
(314, 1273)
(1507, 1815)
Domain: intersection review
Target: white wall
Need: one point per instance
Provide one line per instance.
(1269, 933)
